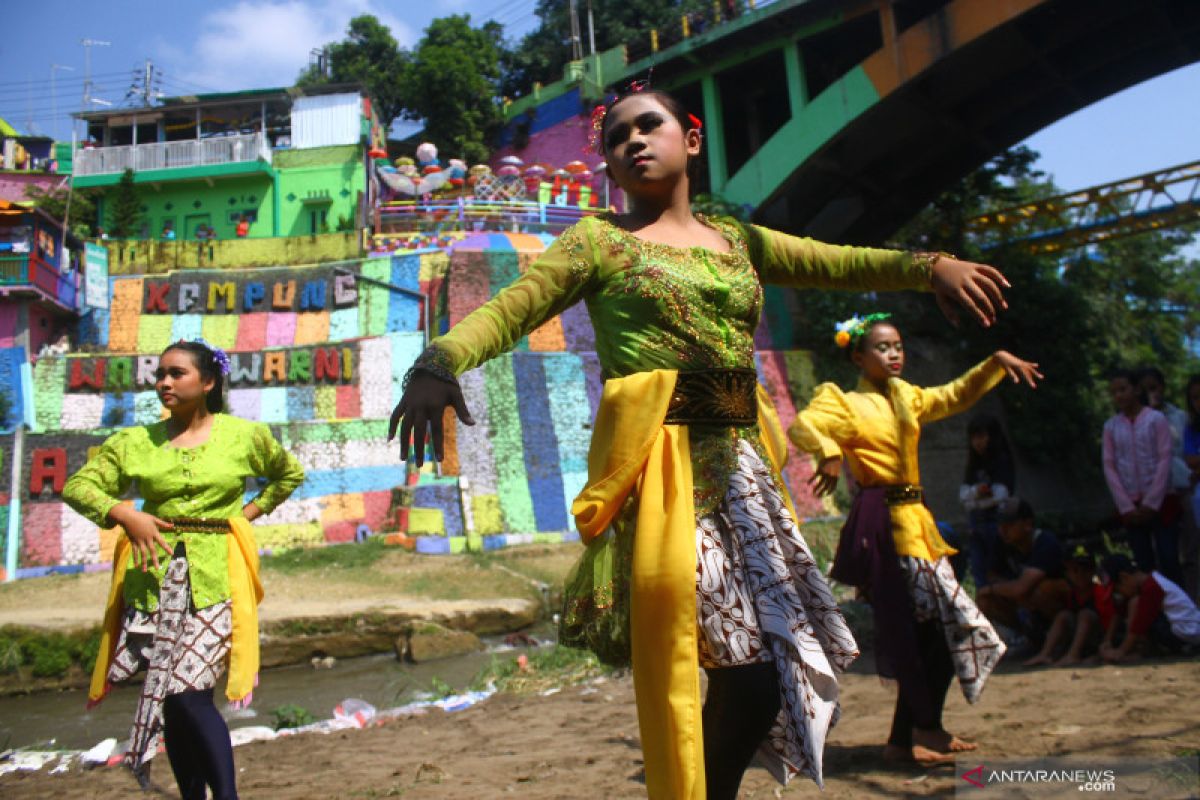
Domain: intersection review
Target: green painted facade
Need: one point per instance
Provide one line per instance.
(303, 192)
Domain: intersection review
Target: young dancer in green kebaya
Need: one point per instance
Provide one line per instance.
(686, 450)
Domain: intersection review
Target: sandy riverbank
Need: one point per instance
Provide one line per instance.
(582, 742)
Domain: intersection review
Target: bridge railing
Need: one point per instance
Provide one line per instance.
(470, 214)
(686, 26)
(1107, 211)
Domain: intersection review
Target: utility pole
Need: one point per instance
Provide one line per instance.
(591, 30)
(88, 44)
(576, 39)
(147, 77)
(29, 104)
(54, 68)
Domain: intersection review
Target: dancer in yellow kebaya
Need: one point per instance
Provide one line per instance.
(927, 629)
(686, 449)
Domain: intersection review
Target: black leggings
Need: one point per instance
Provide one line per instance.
(939, 672)
(198, 746)
(740, 708)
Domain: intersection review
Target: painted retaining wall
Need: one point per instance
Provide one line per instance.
(321, 358)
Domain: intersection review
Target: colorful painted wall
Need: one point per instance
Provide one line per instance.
(320, 356)
(14, 184)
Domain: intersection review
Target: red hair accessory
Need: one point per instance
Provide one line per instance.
(696, 123)
(598, 115)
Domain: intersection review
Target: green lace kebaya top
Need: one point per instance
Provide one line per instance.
(207, 481)
(656, 306)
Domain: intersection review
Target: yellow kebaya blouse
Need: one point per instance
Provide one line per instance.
(877, 436)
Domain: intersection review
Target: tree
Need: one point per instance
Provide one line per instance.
(453, 83)
(126, 214)
(1127, 302)
(543, 52)
(369, 55)
(54, 203)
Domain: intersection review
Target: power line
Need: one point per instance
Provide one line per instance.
(505, 8)
(45, 81)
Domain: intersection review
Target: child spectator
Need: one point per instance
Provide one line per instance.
(243, 227)
(988, 480)
(1157, 612)
(1026, 587)
(1191, 457)
(1088, 613)
(1137, 467)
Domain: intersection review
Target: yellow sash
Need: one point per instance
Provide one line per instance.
(245, 591)
(632, 448)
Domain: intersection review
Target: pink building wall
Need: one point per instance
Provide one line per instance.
(13, 184)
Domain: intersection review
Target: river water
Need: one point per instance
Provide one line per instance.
(59, 719)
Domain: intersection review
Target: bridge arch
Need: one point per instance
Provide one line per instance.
(842, 118)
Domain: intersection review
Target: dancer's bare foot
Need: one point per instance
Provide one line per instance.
(926, 757)
(1037, 661)
(941, 741)
(1067, 661)
(958, 745)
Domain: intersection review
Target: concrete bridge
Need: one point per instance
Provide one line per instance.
(842, 118)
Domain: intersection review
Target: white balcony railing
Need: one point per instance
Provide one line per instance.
(169, 155)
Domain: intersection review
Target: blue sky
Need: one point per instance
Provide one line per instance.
(221, 45)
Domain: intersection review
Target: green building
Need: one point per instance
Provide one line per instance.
(291, 162)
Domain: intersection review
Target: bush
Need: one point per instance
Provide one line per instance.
(548, 668)
(10, 654)
(292, 716)
(49, 656)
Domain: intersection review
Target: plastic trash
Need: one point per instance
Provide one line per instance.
(251, 733)
(99, 754)
(354, 710)
(27, 760)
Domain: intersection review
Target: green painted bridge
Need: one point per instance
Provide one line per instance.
(842, 118)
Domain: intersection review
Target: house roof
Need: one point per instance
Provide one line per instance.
(190, 101)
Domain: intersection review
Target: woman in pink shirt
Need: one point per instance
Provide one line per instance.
(1137, 467)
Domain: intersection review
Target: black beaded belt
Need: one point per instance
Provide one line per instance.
(714, 397)
(199, 524)
(903, 494)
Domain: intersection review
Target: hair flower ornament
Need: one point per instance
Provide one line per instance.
(219, 355)
(849, 331)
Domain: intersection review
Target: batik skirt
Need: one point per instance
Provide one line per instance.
(181, 648)
(760, 597)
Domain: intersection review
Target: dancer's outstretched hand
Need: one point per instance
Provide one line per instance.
(978, 288)
(422, 408)
(1019, 369)
(825, 478)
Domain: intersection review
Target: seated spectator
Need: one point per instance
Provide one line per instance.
(1087, 615)
(989, 479)
(1026, 587)
(1157, 613)
(243, 227)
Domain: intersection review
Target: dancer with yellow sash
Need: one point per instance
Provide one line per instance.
(693, 557)
(189, 612)
(927, 629)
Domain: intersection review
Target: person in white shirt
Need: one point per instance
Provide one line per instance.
(1156, 612)
(1137, 454)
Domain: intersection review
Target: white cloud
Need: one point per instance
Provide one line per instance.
(262, 43)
